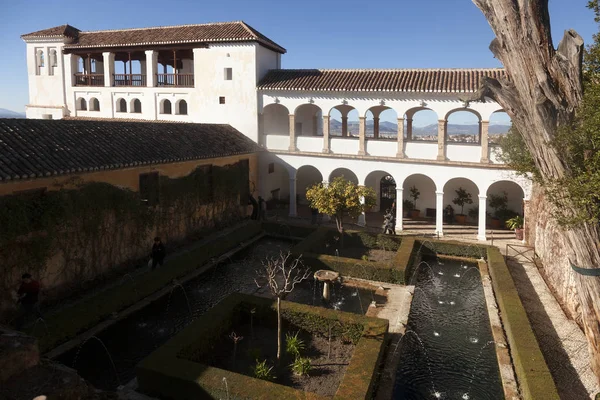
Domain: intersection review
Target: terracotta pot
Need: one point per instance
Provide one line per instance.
(460, 219)
(496, 223)
(415, 213)
(519, 233)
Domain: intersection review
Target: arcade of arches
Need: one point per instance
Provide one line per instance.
(424, 202)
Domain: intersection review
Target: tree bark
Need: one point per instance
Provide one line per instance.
(540, 91)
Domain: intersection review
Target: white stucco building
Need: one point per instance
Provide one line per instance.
(230, 73)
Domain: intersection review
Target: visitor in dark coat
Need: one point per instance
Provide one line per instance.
(158, 253)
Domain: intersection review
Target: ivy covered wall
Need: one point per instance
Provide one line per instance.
(77, 231)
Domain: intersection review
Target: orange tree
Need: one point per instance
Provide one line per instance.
(340, 198)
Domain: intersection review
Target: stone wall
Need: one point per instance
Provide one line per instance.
(544, 234)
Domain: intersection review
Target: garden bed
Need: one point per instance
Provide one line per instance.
(187, 367)
(359, 246)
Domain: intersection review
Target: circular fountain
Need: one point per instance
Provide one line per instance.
(327, 277)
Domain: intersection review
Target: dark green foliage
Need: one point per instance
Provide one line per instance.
(262, 371)
(462, 197)
(515, 154)
(177, 369)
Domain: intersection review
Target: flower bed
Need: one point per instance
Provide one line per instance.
(180, 369)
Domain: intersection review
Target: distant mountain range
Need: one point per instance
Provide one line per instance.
(387, 127)
(4, 113)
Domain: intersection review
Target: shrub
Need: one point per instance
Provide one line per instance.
(301, 366)
(262, 371)
(294, 345)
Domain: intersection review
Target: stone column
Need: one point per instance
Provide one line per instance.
(326, 134)
(485, 158)
(151, 68)
(292, 134)
(361, 136)
(362, 220)
(400, 153)
(482, 217)
(399, 209)
(293, 210)
(108, 59)
(376, 127)
(439, 213)
(409, 127)
(441, 156)
(344, 126)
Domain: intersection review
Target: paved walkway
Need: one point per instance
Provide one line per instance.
(562, 342)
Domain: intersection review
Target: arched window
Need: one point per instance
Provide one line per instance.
(94, 104)
(165, 107)
(39, 61)
(53, 59)
(182, 107)
(81, 104)
(136, 106)
(121, 105)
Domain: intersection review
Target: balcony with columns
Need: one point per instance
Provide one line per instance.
(309, 130)
(149, 68)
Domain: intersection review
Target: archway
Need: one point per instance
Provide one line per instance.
(500, 124)
(381, 123)
(461, 200)
(308, 120)
(121, 105)
(463, 126)
(418, 198)
(181, 107)
(504, 201)
(384, 185)
(346, 173)
(421, 124)
(306, 176)
(343, 121)
(276, 120)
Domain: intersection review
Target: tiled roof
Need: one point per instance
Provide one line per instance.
(392, 80)
(35, 148)
(218, 32)
(58, 31)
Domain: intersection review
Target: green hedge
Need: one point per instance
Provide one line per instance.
(284, 229)
(533, 375)
(174, 370)
(378, 271)
(450, 248)
(85, 314)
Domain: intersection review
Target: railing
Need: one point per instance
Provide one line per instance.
(129, 80)
(89, 79)
(182, 80)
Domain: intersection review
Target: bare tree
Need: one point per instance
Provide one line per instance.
(541, 90)
(282, 275)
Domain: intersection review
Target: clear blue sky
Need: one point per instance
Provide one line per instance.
(317, 34)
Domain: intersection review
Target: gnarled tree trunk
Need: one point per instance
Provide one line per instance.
(541, 89)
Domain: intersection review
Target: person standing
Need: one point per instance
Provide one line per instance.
(262, 207)
(158, 253)
(28, 299)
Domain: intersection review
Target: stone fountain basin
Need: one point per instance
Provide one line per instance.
(326, 276)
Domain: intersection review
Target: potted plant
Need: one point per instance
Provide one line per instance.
(414, 193)
(516, 224)
(407, 206)
(462, 197)
(498, 202)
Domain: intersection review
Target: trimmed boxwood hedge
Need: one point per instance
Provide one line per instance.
(283, 229)
(534, 378)
(175, 370)
(70, 321)
(392, 272)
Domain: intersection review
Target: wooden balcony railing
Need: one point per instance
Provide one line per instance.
(89, 79)
(129, 80)
(181, 80)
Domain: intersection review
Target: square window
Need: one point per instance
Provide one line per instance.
(222, 100)
(271, 168)
(228, 74)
